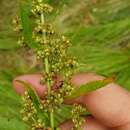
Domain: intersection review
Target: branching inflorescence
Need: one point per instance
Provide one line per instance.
(53, 52)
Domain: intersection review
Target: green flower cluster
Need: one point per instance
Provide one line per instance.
(53, 49)
(77, 120)
(39, 7)
(29, 113)
(18, 29)
(53, 52)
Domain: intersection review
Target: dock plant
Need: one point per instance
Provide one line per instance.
(51, 49)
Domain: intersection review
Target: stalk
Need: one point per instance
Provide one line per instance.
(47, 71)
(63, 66)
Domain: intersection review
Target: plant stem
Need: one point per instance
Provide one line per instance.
(52, 118)
(47, 71)
(46, 59)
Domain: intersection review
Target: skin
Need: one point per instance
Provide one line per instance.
(109, 106)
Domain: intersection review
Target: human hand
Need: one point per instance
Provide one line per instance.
(109, 106)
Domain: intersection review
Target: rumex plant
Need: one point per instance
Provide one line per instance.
(52, 50)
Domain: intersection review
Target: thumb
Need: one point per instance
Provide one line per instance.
(33, 80)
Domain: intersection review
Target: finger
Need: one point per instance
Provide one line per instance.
(90, 100)
(90, 124)
(110, 104)
(33, 79)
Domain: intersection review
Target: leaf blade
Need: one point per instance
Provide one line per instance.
(89, 87)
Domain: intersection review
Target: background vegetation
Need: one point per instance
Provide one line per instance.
(99, 31)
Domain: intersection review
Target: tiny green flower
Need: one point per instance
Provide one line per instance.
(53, 52)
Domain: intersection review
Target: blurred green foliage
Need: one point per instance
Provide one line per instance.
(99, 30)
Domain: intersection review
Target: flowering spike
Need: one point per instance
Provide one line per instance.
(53, 51)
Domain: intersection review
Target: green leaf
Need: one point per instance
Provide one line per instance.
(27, 27)
(36, 101)
(89, 87)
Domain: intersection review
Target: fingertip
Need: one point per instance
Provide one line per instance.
(32, 79)
(18, 87)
